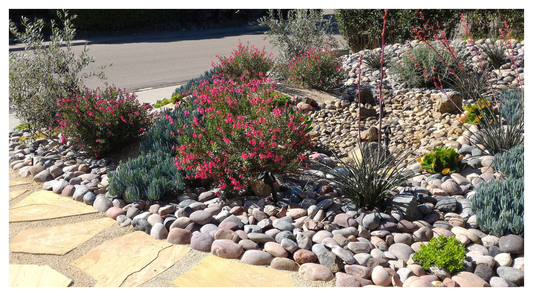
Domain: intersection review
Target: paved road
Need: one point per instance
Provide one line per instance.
(153, 65)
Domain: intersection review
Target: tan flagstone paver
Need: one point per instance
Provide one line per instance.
(42, 205)
(167, 257)
(15, 194)
(15, 183)
(36, 276)
(57, 240)
(213, 271)
(113, 261)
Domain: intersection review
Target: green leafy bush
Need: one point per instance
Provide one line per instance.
(151, 176)
(281, 100)
(442, 160)
(421, 66)
(499, 206)
(239, 135)
(163, 102)
(100, 121)
(246, 62)
(474, 112)
(45, 71)
(443, 252)
(317, 69)
(362, 27)
(297, 32)
(374, 174)
(484, 23)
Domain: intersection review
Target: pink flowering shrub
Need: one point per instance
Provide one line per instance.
(245, 60)
(99, 121)
(240, 134)
(317, 69)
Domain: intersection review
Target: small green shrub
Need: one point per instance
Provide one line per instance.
(45, 72)
(421, 66)
(362, 28)
(499, 206)
(442, 160)
(317, 69)
(281, 100)
(246, 62)
(297, 32)
(474, 112)
(22, 126)
(163, 102)
(100, 121)
(446, 253)
(149, 177)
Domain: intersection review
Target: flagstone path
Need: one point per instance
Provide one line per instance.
(128, 260)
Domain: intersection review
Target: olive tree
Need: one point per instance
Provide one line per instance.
(45, 71)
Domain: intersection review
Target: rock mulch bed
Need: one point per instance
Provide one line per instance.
(312, 229)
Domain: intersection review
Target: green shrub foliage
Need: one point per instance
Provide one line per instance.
(151, 176)
(443, 252)
(442, 160)
(421, 66)
(317, 69)
(298, 31)
(499, 206)
(362, 27)
(45, 71)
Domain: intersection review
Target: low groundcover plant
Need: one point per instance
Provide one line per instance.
(102, 120)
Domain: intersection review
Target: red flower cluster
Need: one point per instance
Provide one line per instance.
(240, 134)
(102, 120)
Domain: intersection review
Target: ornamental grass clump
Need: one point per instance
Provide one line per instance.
(102, 120)
(373, 175)
(240, 134)
(246, 62)
(447, 253)
(318, 69)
